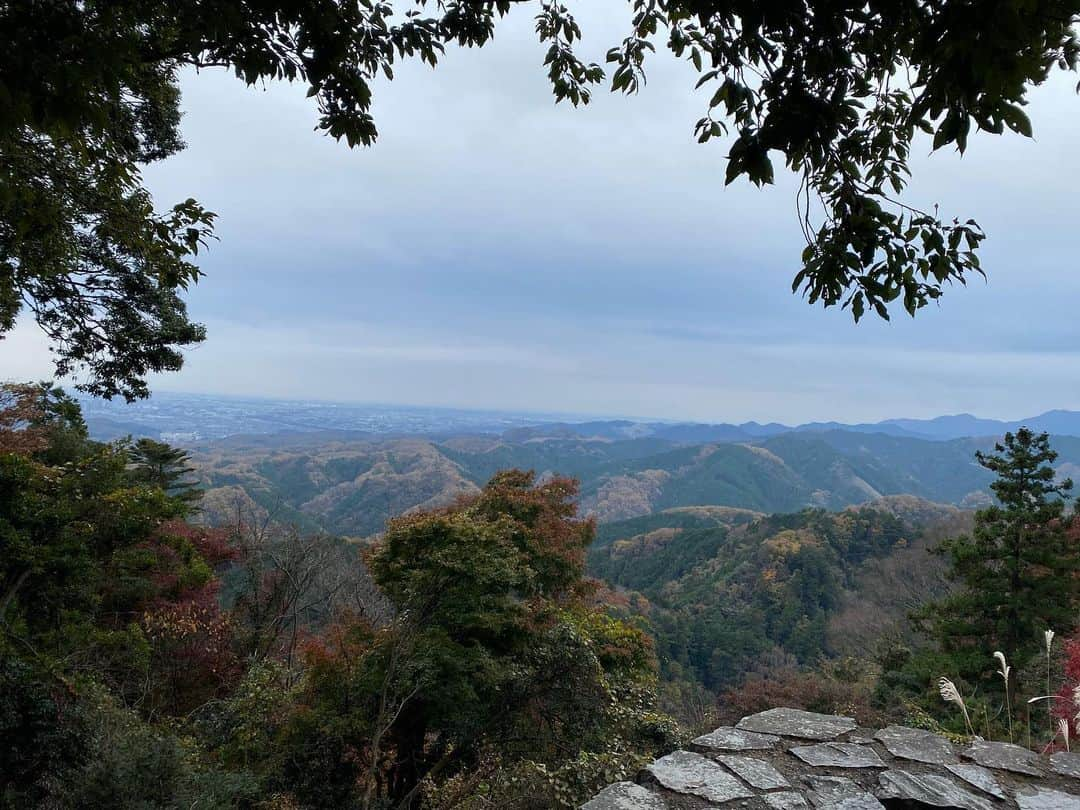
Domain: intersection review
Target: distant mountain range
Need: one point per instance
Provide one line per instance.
(191, 418)
(345, 469)
(940, 428)
(350, 485)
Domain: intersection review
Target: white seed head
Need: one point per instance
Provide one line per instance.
(949, 692)
(1004, 669)
(1048, 636)
(1063, 728)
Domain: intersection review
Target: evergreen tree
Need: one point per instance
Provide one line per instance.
(161, 465)
(1017, 571)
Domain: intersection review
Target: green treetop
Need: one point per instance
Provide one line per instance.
(1017, 571)
(498, 661)
(160, 465)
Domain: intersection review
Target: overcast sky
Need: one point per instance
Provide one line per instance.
(496, 250)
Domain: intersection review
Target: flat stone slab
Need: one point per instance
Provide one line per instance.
(693, 774)
(797, 723)
(979, 777)
(787, 800)
(774, 761)
(917, 744)
(1004, 756)
(1065, 764)
(727, 738)
(838, 755)
(755, 772)
(625, 796)
(838, 793)
(930, 789)
(1046, 799)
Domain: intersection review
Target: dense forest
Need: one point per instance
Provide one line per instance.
(465, 657)
(464, 660)
(722, 597)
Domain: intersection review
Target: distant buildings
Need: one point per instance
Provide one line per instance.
(174, 437)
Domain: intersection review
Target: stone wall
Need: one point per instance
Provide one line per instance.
(787, 758)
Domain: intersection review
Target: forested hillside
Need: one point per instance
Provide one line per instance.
(351, 486)
(344, 487)
(727, 593)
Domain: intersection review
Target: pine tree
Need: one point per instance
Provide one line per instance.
(1018, 571)
(164, 466)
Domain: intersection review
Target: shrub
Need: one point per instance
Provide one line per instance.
(44, 734)
(828, 691)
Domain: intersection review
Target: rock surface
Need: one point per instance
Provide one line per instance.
(838, 755)
(756, 772)
(917, 744)
(687, 772)
(727, 738)
(978, 776)
(625, 796)
(789, 759)
(929, 788)
(839, 791)
(797, 723)
(1045, 799)
(1004, 756)
(1065, 764)
(788, 800)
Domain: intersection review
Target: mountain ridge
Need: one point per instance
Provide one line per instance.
(939, 428)
(351, 486)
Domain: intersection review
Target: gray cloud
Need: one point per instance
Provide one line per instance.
(495, 249)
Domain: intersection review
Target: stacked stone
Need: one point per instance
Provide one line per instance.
(788, 758)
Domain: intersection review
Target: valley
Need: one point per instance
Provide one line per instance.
(758, 558)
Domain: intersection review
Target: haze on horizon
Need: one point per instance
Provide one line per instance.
(497, 251)
(168, 398)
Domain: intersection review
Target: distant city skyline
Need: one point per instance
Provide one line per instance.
(496, 251)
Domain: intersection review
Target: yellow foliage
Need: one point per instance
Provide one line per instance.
(789, 541)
